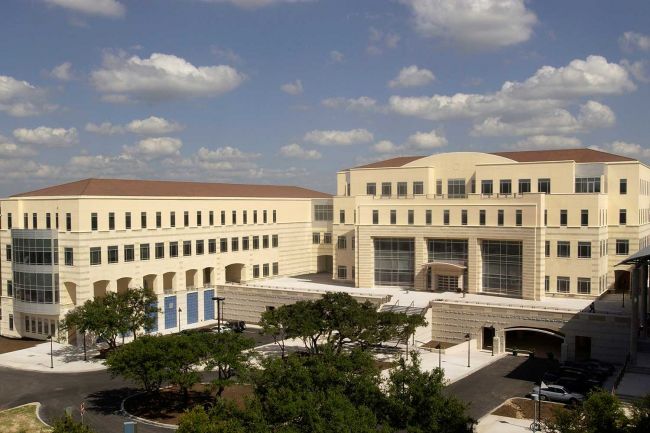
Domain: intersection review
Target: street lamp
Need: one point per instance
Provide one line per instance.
(49, 337)
(179, 318)
(439, 347)
(469, 346)
(220, 301)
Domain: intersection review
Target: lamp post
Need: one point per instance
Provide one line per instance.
(469, 346)
(220, 301)
(85, 357)
(179, 318)
(439, 347)
(49, 337)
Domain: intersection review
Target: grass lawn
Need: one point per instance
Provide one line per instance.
(21, 420)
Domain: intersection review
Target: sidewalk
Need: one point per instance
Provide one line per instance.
(502, 424)
(66, 358)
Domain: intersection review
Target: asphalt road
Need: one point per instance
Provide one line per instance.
(487, 388)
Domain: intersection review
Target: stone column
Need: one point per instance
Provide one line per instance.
(635, 281)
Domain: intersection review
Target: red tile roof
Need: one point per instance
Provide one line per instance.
(577, 155)
(391, 163)
(158, 188)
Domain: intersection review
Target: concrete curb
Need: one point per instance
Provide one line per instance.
(144, 420)
(49, 370)
(38, 411)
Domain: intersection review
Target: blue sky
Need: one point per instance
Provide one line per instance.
(290, 91)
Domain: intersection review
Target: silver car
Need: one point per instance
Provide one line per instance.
(557, 393)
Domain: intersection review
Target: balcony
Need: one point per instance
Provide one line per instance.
(35, 308)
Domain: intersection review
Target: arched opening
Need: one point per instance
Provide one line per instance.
(324, 264)
(71, 290)
(169, 282)
(542, 342)
(621, 281)
(208, 277)
(123, 284)
(190, 279)
(100, 288)
(235, 273)
(149, 282)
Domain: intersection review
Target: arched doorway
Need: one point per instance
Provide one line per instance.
(190, 279)
(542, 342)
(123, 284)
(235, 273)
(100, 288)
(169, 282)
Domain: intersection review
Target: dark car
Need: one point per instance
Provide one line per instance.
(237, 325)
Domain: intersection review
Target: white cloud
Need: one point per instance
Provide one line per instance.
(379, 40)
(632, 150)
(474, 23)
(27, 170)
(362, 103)
(20, 98)
(155, 147)
(256, 4)
(49, 137)
(635, 41)
(336, 56)
(153, 125)
(13, 150)
(385, 146)
(106, 8)
(412, 76)
(62, 72)
(161, 77)
(294, 150)
(638, 69)
(226, 153)
(427, 140)
(547, 142)
(104, 128)
(294, 88)
(338, 138)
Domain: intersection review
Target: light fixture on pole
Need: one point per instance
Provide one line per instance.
(469, 346)
(220, 301)
(50, 337)
(179, 318)
(439, 347)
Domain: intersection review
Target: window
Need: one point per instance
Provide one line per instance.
(127, 220)
(111, 220)
(584, 286)
(276, 268)
(9, 220)
(245, 243)
(129, 253)
(256, 271)
(547, 248)
(68, 222)
(144, 251)
(587, 184)
(234, 244)
(35, 221)
(223, 245)
(143, 220)
(375, 216)
(200, 247)
(622, 247)
(8, 252)
(342, 272)
(223, 217)
(173, 249)
(393, 216)
(158, 220)
(519, 217)
(315, 238)
(353, 242)
(456, 188)
(584, 217)
(463, 217)
(322, 212)
(411, 216)
(544, 185)
(486, 187)
(244, 217)
(564, 217)
(186, 219)
(622, 186)
(160, 250)
(545, 217)
(274, 241)
(265, 241)
(265, 270)
(56, 220)
(254, 217)
(212, 246)
(10, 288)
(187, 248)
(341, 243)
(622, 216)
(445, 217)
(68, 256)
(93, 221)
(524, 185)
(112, 254)
(275, 216)
(584, 250)
(428, 217)
(327, 238)
(418, 188)
(256, 242)
(402, 189)
(234, 217)
(11, 322)
(500, 217)
(342, 216)
(172, 219)
(502, 267)
(481, 217)
(199, 219)
(211, 218)
(371, 188)
(438, 186)
(331, 214)
(386, 189)
(547, 283)
(26, 221)
(95, 256)
(505, 186)
(48, 221)
(563, 284)
(563, 249)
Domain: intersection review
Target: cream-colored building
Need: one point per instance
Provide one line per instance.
(66, 244)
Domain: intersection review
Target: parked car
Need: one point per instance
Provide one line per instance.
(237, 325)
(222, 329)
(576, 385)
(557, 393)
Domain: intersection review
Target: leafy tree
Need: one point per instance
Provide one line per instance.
(143, 361)
(139, 309)
(66, 424)
(640, 422)
(229, 353)
(184, 352)
(601, 412)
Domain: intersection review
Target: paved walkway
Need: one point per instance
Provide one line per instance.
(66, 359)
(502, 424)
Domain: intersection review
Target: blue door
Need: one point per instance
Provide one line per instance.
(208, 305)
(170, 312)
(192, 307)
(154, 315)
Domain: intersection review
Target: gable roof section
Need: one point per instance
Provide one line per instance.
(391, 163)
(160, 188)
(577, 155)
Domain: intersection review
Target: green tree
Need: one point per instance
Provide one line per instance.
(139, 309)
(227, 352)
(184, 353)
(143, 361)
(640, 422)
(601, 412)
(66, 424)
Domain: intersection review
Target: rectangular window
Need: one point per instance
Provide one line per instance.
(524, 185)
(143, 220)
(386, 189)
(505, 186)
(276, 268)
(68, 222)
(187, 248)
(622, 186)
(411, 216)
(500, 217)
(68, 256)
(8, 252)
(265, 270)
(275, 216)
(563, 249)
(35, 221)
(186, 219)
(587, 184)
(10, 289)
(375, 216)
(111, 220)
(481, 217)
(256, 271)
(353, 242)
(113, 254)
(129, 253)
(456, 188)
(95, 256)
(342, 216)
(584, 250)
(211, 218)
(244, 217)
(256, 242)
(393, 216)
(234, 217)
(622, 247)
(402, 189)
(234, 244)
(144, 252)
(428, 215)
(584, 286)
(547, 283)
(173, 249)
(486, 187)
(93, 221)
(463, 217)
(48, 221)
(547, 248)
(200, 247)
(563, 284)
(212, 246)
(315, 238)
(584, 217)
(418, 188)
(341, 243)
(127, 220)
(622, 217)
(544, 185)
(158, 220)
(545, 217)
(9, 221)
(11, 322)
(26, 220)
(245, 243)
(223, 245)
(502, 267)
(519, 217)
(199, 218)
(160, 250)
(265, 241)
(274, 241)
(342, 272)
(223, 217)
(322, 212)
(445, 217)
(328, 206)
(564, 217)
(172, 219)
(438, 186)
(371, 188)
(327, 238)
(254, 217)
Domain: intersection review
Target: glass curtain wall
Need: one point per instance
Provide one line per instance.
(394, 262)
(502, 267)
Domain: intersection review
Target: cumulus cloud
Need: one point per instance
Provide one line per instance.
(256, 4)
(226, 153)
(106, 8)
(385, 146)
(104, 128)
(546, 142)
(62, 72)
(338, 138)
(427, 140)
(20, 98)
(153, 125)
(412, 76)
(161, 77)
(294, 88)
(474, 23)
(638, 69)
(294, 150)
(155, 147)
(13, 150)
(336, 56)
(362, 103)
(631, 41)
(46, 136)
